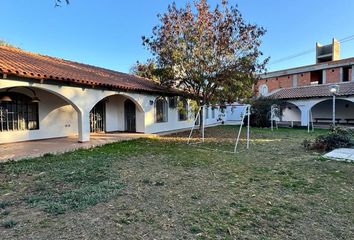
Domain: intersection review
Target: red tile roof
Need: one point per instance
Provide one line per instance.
(20, 63)
(345, 89)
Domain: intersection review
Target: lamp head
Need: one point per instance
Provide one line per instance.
(5, 98)
(334, 88)
(35, 99)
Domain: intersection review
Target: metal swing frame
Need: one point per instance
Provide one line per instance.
(246, 113)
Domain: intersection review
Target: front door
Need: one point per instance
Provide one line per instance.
(130, 116)
(97, 118)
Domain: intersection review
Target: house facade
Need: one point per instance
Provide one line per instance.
(44, 97)
(305, 91)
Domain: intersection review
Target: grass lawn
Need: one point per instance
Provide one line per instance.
(164, 189)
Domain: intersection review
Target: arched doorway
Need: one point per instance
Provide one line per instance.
(290, 114)
(98, 118)
(117, 113)
(130, 116)
(322, 112)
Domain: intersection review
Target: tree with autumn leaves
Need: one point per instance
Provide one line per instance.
(213, 54)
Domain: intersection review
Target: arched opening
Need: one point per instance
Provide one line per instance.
(322, 112)
(117, 113)
(98, 118)
(31, 113)
(263, 90)
(290, 115)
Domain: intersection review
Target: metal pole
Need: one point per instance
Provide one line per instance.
(203, 123)
(238, 135)
(195, 120)
(334, 111)
(248, 126)
(271, 118)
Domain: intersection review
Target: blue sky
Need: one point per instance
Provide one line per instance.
(107, 33)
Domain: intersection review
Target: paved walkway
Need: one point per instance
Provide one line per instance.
(31, 149)
(341, 154)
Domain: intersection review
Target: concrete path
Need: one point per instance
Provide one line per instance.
(341, 154)
(31, 149)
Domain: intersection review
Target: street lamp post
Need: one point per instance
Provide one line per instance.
(334, 90)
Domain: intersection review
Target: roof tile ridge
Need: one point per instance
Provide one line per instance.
(69, 62)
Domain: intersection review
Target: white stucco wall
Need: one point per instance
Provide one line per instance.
(57, 118)
(213, 120)
(234, 113)
(115, 115)
(173, 123)
(291, 114)
(64, 111)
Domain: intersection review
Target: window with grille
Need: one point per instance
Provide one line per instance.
(161, 110)
(19, 114)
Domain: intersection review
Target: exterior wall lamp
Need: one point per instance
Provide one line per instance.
(7, 98)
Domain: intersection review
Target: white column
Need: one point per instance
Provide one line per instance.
(304, 115)
(353, 73)
(84, 126)
(341, 74)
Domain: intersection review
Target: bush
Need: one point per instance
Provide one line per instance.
(337, 138)
(260, 111)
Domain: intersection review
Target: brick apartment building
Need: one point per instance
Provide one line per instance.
(306, 90)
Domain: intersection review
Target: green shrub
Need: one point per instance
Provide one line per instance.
(336, 138)
(261, 111)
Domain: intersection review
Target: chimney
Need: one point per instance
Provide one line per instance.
(327, 53)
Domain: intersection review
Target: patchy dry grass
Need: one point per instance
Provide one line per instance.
(164, 189)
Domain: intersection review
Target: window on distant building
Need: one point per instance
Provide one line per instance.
(345, 73)
(213, 112)
(263, 90)
(182, 110)
(207, 113)
(19, 114)
(161, 109)
(316, 77)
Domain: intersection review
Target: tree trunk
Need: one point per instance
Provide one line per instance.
(201, 118)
